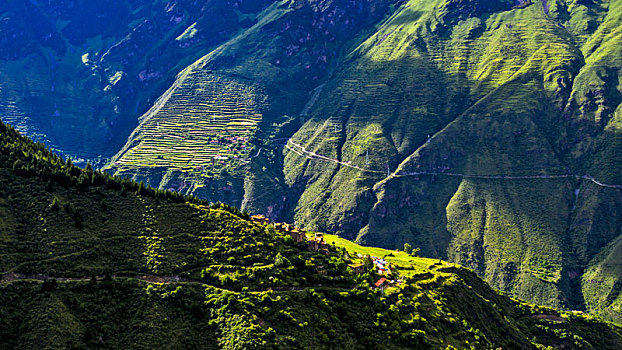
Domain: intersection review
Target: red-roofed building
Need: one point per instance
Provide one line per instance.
(380, 282)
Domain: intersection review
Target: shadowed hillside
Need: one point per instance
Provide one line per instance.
(77, 75)
(486, 133)
(92, 261)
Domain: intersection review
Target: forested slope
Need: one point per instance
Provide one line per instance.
(486, 133)
(91, 261)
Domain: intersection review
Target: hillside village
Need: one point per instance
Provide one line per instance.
(316, 243)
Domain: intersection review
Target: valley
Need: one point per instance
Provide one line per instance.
(487, 134)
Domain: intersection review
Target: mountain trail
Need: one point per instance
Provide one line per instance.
(165, 279)
(303, 152)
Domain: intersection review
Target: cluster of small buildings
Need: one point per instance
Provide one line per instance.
(237, 138)
(383, 267)
(380, 284)
(315, 244)
(231, 139)
(318, 244)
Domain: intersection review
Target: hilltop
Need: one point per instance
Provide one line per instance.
(92, 261)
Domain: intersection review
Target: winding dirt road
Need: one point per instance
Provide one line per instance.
(303, 152)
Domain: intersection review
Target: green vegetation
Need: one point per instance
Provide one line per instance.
(601, 283)
(234, 101)
(195, 138)
(197, 130)
(473, 108)
(486, 133)
(146, 268)
(407, 265)
(198, 122)
(454, 309)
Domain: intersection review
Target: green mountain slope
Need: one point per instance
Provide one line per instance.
(486, 133)
(254, 81)
(491, 122)
(77, 75)
(91, 261)
(198, 131)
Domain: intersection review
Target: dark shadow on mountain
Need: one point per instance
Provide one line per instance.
(405, 16)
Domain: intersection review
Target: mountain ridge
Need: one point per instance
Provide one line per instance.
(93, 261)
(384, 220)
(427, 88)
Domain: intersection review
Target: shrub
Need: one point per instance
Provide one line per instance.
(407, 248)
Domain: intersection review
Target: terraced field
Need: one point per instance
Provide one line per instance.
(202, 123)
(11, 113)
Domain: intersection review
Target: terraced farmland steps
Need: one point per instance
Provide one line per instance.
(204, 117)
(195, 138)
(11, 113)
